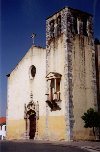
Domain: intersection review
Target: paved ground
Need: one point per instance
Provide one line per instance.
(46, 146)
(92, 146)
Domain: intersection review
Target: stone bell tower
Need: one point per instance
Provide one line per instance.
(70, 70)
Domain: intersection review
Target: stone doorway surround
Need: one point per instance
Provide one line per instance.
(31, 116)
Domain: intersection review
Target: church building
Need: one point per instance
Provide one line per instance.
(51, 88)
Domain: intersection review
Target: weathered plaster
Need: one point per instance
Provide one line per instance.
(70, 54)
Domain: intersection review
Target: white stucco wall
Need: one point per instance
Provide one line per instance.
(56, 64)
(20, 85)
(3, 132)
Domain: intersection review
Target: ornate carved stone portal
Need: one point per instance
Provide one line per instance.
(31, 116)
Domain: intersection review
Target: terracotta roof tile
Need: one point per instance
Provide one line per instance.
(2, 120)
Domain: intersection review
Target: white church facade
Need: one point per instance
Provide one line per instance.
(51, 88)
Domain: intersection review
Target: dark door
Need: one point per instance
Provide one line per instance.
(32, 119)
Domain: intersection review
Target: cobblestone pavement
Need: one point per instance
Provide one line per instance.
(47, 146)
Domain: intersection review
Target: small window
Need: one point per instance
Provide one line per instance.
(55, 89)
(32, 72)
(57, 85)
(59, 25)
(80, 27)
(52, 28)
(74, 25)
(52, 84)
(85, 27)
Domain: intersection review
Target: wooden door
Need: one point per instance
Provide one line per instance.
(32, 119)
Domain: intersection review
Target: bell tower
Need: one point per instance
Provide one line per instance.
(70, 53)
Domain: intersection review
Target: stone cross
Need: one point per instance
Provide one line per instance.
(33, 36)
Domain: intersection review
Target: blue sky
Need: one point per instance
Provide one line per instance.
(18, 19)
